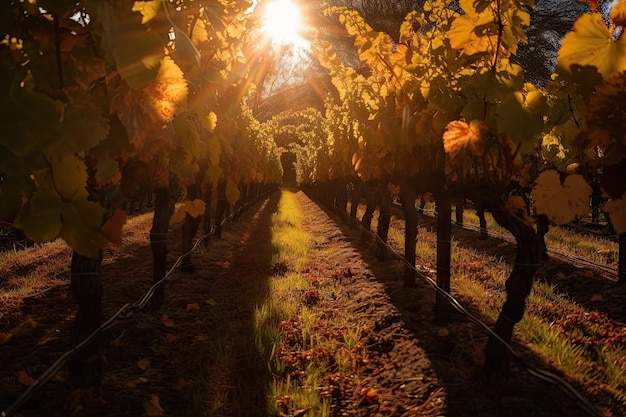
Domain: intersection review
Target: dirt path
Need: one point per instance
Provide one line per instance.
(198, 356)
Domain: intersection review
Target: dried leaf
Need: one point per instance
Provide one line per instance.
(153, 408)
(133, 383)
(143, 364)
(5, 338)
(211, 302)
(597, 297)
(167, 322)
(193, 307)
(171, 338)
(24, 379)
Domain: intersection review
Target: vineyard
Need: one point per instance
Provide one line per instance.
(359, 295)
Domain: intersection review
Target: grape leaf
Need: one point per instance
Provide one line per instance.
(232, 192)
(112, 228)
(474, 32)
(167, 96)
(81, 227)
(591, 43)
(82, 128)
(618, 13)
(70, 176)
(40, 218)
(148, 9)
(617, 210)
(107, 172)
(460, 136)
(193, 208)
(562, 203)
(153, 408)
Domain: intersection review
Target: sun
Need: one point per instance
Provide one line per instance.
(283, 23)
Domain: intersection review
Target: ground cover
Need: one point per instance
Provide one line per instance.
(308, 324)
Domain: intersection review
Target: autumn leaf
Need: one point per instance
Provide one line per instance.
(167, 95)
(617, 211)
(608, 100)
(24, 379)
(5, 338)
(143, 364)
(474, 32)
(591, 43)
(562, 203)
(193, 307)
(460, 136)
(152, 408)
(148, 9)
(193, 208)
(167, 322)
(112, 228)
(133, 383)
(618, 13)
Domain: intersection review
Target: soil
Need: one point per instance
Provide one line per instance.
(173, 359)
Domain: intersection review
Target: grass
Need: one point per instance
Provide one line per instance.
(291, 330)
(578, 348)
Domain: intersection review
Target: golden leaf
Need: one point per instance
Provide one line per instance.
(167, 95)
(591, 43)
(618, 13)
(112, 229)
(562, 203)
(133, 383)
(460, 136)
(192, 307)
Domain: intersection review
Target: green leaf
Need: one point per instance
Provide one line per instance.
(81, 228)
(41, 217)
(83, 127)
(591, 43)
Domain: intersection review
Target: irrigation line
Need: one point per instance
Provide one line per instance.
(126, 311)
(542, 374)
(609, 273)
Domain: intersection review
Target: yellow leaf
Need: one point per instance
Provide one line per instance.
(143, 364)
(152, 408)
(460, 136)
(112, 228)
(474, 32)
(24, 379)
(148, 9)
(617, 211)
(562, 203)
(618, 13)
(167, 95)
(212, 121)
(232, 192)
(591, 43)
(193, 208)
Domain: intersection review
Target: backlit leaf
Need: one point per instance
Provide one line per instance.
(474, 32)
(618, 13)
(112, 228)
(591, 43)
(167, 95)
(460, 136)
(82, 220)
(232, 192)
(562, 203)
(148, 9)
(70, 176)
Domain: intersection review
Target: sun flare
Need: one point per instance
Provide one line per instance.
(283, 22)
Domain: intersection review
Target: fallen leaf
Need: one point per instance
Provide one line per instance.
(477, 265)
(45, 340)
(118, 341)
(5, 338)
(24, 379)
(443, 332)
(152, 407)
(211, 302)
(193, 307)
(143, 364)
(597, 297)
(133, 383)
(170, 338)
(200, 338)
(166, 321)
(180, 385)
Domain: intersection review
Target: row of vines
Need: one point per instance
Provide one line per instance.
(102, 101)
(446, 110)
